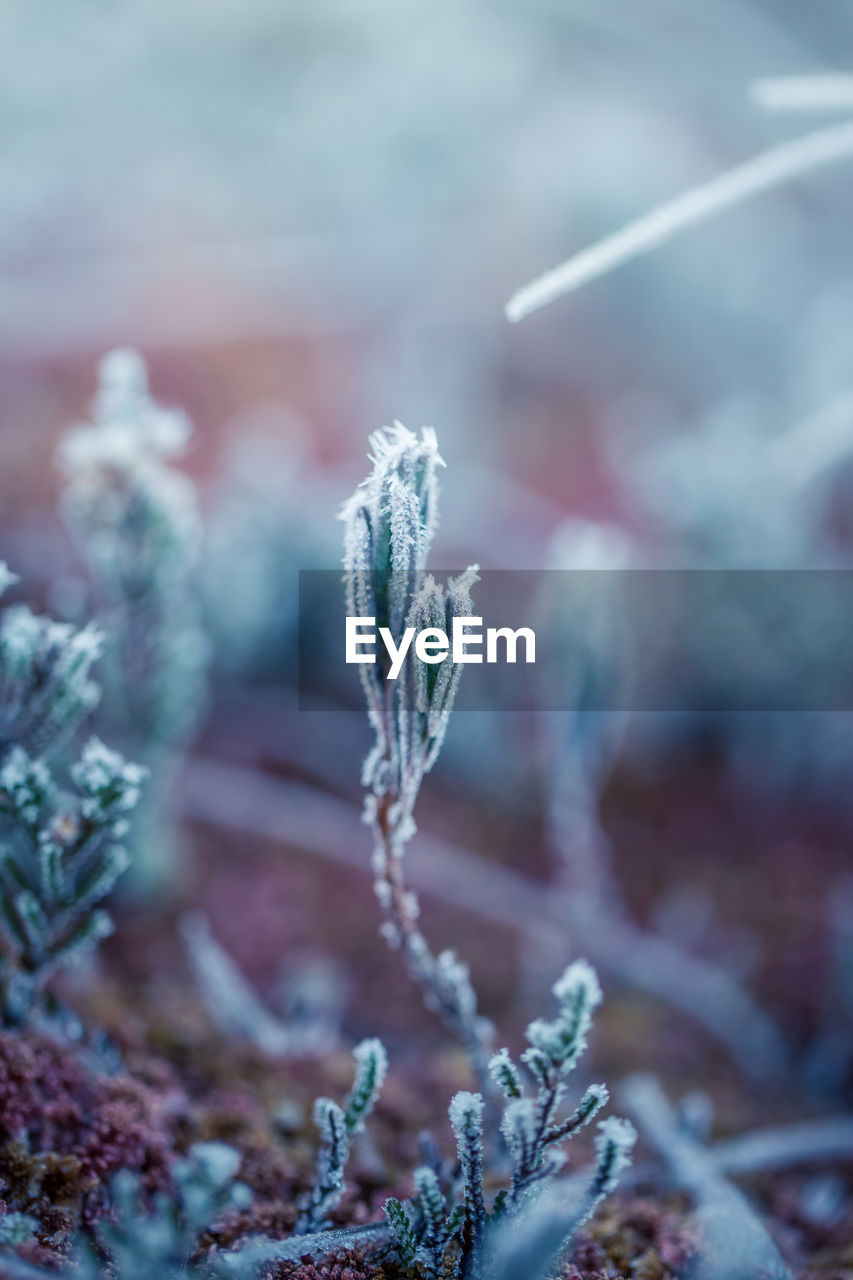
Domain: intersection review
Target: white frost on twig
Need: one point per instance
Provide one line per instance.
(829, 91)
(765, 171)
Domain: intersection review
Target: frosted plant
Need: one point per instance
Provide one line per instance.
(61, 856)
(471, 1238)
(142, 1245)
(530, 1244)
(824, 91)
(141, 1241)
(61, 850)
(389, 524)
(583, 745)
(135, 519)
(338, 1125)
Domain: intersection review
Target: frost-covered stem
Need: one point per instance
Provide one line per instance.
(330, 1163)
(135, 519)
(337, 1126)
(400, 908)
(769, 169)
(825, 91)
(433, 1213)
(584, 873)
(525, 1172)
(598, 920)
(531, 1165)
(614, 1144)
(402, 1230)
(805, 1142)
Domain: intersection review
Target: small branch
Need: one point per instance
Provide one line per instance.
(822, 92)
(770, 169)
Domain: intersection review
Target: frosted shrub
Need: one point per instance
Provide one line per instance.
(62, 849)
(134, 517)
(471, 1238)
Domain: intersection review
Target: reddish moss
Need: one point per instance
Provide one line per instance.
(66, 1130)
(349, 1264)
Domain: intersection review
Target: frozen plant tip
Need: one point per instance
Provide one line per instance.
(466, 1119)
(389, 524)
(337, 1127)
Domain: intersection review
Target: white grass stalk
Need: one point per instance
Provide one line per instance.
(832, 91)
(817, 444)
(770, 169)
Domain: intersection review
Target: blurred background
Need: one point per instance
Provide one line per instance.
(308, 217)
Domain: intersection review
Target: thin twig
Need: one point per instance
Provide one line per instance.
(765, 171)
(823, 92)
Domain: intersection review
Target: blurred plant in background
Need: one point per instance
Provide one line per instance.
(135, 519)
(263, 528)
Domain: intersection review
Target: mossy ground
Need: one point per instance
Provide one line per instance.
(158, 1077)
